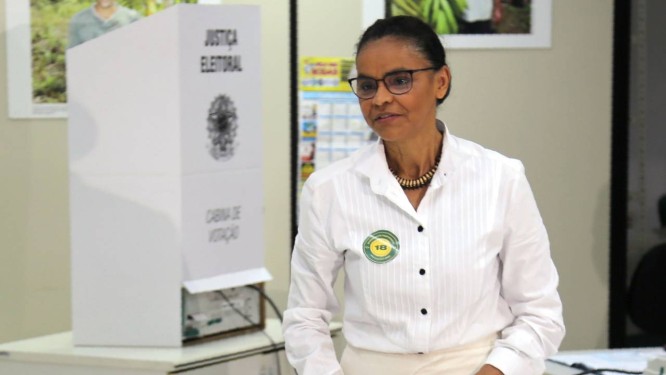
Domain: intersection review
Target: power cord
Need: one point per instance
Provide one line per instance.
(276, 350)
(589, 370)
(267, 298)
(602, 370)
(273, 305)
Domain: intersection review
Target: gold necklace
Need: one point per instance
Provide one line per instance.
(417, 183)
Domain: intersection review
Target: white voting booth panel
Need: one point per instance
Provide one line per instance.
(165, 170)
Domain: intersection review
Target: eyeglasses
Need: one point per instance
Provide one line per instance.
(397, 83)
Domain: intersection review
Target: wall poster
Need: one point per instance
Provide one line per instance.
(40, 31)
(474, 23)
(331, 125)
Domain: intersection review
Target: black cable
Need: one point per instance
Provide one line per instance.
(267, 298)
(601, 370)
(273, 305)
(589, 370)
(561, 363)
(275, 347)
(582, 366)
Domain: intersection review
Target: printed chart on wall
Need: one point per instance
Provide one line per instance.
(39, 32)
(331, 124)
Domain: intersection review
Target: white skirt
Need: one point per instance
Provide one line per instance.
(461, 360)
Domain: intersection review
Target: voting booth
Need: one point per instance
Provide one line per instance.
(166, 192)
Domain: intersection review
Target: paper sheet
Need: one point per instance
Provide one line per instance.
(621, 359)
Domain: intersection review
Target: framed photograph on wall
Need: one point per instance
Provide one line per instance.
(38, 34)
(474, 23)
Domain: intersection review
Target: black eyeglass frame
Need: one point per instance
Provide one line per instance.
(383, 79)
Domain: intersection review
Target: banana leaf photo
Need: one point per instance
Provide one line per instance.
(468, 16)
(475, 23)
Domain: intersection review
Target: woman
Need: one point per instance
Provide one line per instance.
(446, 259)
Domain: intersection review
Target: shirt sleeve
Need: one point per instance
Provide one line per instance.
(312, 301)
(529, 286)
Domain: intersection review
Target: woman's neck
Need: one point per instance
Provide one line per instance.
(413, 158)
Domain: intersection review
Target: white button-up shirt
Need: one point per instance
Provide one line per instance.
(472, 260)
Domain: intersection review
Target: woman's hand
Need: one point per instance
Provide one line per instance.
(489, 370)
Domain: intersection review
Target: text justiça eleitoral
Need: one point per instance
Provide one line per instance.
(221, 63)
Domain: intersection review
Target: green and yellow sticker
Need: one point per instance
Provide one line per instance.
(381, 246)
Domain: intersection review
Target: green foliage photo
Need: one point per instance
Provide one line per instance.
(49, 23)
(444, 15)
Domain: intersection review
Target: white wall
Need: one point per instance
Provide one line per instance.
(34, 227)
(548, 107)
(552, 109)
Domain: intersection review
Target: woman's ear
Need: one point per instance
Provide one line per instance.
(442, 82)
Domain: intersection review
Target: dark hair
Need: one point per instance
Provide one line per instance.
(411, 29)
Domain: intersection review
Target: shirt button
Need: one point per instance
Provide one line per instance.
(420, 228)
(421, 271)
(424, 311)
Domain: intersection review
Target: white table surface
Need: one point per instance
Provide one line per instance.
(631, 359)
(58, 349)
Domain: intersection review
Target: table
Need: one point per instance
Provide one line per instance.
(252, 353)
(631, 359)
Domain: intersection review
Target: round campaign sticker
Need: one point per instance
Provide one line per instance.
(381, 246)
